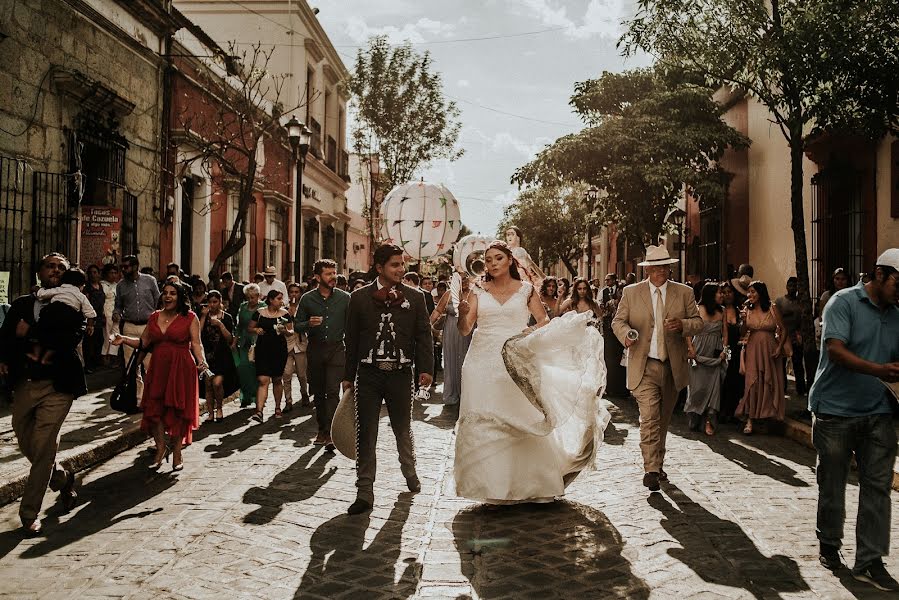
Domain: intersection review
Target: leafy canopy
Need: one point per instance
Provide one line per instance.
(826, 65)
(650, 133)
(401, 112)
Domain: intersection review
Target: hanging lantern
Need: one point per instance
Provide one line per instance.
(421, 218)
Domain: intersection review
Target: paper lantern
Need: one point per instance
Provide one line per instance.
(421, 218)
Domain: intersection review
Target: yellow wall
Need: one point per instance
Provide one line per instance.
(771, 249)
(887, 227)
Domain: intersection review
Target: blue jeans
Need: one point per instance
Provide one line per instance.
(873, 440)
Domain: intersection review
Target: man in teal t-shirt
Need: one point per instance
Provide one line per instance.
(853, 415)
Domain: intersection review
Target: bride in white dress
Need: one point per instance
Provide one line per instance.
(530, 418)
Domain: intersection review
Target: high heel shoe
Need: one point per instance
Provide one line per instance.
(178, 467)
(747, 429)
(157, 465)
(219, 415)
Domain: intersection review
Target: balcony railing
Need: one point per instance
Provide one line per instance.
(331, 153)
(315, 146)
(343, 167)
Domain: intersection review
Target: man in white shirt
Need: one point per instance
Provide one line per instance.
(270, 283)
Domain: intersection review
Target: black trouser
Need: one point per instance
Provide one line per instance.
(92, 345)
(325, 366)
(395, 389)
(804, 366)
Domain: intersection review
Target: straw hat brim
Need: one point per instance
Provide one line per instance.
(343, 427)
(665, 261)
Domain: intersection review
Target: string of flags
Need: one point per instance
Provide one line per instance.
(420, 222)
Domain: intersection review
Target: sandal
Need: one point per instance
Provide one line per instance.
(219, 415)
(709, 428)
(278, 413)
(257, 416)
(747, 429)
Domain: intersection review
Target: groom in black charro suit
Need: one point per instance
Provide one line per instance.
(387, 331)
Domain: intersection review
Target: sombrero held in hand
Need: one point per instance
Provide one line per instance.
(343, 427)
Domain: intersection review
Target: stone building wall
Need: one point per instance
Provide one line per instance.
(68, 59)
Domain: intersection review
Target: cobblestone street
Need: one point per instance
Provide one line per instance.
(259, 512)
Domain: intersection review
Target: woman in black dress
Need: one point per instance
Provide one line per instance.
(270, 324)
(93, 342)
(217, 334)
(734, 382)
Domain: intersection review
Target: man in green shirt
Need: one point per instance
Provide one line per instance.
(322, 316)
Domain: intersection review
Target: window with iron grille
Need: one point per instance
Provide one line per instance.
(838, 217)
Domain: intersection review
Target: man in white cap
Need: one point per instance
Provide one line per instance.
(662, 313)
(271, 283)
(852, 415)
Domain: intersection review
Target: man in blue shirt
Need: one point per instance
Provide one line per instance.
(322, 315)
(852, 414)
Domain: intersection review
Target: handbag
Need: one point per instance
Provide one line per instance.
(124, 396)
(251, 353)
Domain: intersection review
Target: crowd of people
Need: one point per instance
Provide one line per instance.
(723, 349)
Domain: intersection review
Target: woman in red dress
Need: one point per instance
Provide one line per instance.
(171, 401)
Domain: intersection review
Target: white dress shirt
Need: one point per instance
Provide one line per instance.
(659, 317)
(277, 284)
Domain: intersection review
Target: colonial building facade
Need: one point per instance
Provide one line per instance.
(301, 51)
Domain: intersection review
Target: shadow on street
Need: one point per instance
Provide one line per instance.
(715, 548)
(553, 550)
(342, 563)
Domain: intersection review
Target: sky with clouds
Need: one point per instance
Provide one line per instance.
(512, 91)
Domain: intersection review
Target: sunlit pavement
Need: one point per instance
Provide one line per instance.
(259, 512)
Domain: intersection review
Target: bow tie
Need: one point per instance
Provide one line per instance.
(390, 296)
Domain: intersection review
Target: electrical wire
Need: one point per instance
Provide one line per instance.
(37, 98)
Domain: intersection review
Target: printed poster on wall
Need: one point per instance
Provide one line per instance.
(101, 232)
(4, 287)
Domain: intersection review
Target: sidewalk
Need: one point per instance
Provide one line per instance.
(92, 433)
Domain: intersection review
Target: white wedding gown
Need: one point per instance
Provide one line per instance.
(524, 439)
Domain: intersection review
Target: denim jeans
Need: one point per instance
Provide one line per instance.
(873, 440)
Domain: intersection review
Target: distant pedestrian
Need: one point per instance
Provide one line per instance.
(137, 295)
(564, 290)
(342, 283)
(734, 381)
(172, 401)
(93, 342)
(549, 295)
(454, 345)
(42, 393)
(110, 274)
(581, 300)
(232, 293)
(630, 279)
(839, 280)
(762, 360)
(322, 316)
(708, 352)
(198, 294)
(243, 349)
(271, 283)
(852, 417)
(805, 360)
(297, 353)
(740, 283)
(217, 334)
(270, 324)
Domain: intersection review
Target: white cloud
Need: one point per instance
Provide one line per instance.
(602, 17)
(423, 30)
(507, 198)
(463, 83)
(504, 142)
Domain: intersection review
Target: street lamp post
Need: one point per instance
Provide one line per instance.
(300, 138)
(678, 217)
(591, 195)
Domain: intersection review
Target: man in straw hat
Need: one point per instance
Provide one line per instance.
(662, 313)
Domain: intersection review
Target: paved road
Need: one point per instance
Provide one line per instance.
(259, 513)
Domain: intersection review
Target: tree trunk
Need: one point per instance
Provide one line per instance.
(238, 239)
(807, 328)
(567, 262)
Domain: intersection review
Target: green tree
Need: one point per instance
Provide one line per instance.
(553, 220)
(401, 112)
(822, 66)
(650, 134)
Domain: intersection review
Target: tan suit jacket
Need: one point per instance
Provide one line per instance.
(635, 311)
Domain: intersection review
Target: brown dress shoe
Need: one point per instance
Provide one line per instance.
(651, 480)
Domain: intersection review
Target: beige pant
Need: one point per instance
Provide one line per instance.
(656, 396)
(296, 365)
(38, 412)
(132, 330)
